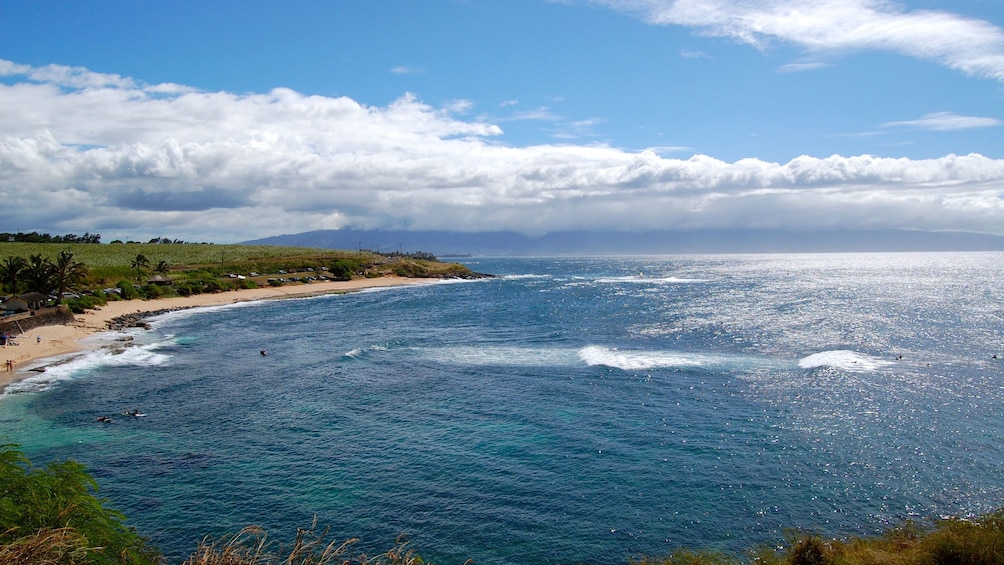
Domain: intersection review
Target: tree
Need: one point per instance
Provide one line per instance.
(140, 263)
(11, 270)
(343, 269)
(59, 502)
(162, 268)
(39, 273)
(67, 273)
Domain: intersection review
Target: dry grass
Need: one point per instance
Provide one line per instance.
(952, 541)
(62, 546)
(251, 546)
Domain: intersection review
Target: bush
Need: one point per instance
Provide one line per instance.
(129, 290)
(343, 269)
(79, 305)
(976, 542)
(154, 291)
(54, 512)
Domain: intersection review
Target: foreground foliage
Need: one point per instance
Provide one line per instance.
(52, 516)
(251, 547)
(977, 541)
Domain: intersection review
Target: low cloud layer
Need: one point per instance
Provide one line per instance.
(83, 151)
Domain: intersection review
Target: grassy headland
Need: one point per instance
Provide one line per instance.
(194, 268)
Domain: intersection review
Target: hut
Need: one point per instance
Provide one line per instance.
(160, 280)
(35, 300)
(15, 304)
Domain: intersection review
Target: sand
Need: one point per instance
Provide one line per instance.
(42, 343)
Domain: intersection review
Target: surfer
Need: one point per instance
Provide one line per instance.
(263, 352)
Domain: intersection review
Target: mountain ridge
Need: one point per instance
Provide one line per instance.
(446, 243)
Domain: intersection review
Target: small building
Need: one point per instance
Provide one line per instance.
(160, 280)
(15, 304)
(25, 302)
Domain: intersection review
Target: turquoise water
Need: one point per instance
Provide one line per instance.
(570, 411)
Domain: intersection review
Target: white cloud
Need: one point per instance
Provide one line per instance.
(947, 121)
(693, 54)
(118, 160)
(802, 67)
(404, 70)
(969, 45)
(542, 113)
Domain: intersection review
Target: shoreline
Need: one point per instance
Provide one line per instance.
(64, 340)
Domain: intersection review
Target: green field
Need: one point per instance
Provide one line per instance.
(194, 268)
(181, 255)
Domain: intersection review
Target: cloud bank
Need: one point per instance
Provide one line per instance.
(84, 151)
(974, 47)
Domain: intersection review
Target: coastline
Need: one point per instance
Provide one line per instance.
(62, 340)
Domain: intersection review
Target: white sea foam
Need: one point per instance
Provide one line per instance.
(642, 360)
(844, 359)
(525, 276)
(360, 351)
(114, 353)
(501, 356)
(591, 355)
(643, 279)
(187, 312)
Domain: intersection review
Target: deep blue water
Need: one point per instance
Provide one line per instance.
(571, 411)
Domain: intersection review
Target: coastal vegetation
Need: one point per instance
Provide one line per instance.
(52, 515)
(84, 275)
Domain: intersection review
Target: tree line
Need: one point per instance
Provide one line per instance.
(42, 274)
(35, 237)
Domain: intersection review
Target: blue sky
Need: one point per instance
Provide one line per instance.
(225, 121)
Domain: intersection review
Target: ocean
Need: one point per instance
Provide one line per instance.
(570, 410)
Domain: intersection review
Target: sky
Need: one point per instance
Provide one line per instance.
(228, 121)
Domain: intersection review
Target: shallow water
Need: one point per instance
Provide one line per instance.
(572, 410)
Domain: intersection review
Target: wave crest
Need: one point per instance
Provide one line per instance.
(844, 359)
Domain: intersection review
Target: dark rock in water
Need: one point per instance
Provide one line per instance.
(136, 319)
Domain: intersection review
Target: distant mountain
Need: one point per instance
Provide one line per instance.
(445, 243)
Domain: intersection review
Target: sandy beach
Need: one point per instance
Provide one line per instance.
(60, 340)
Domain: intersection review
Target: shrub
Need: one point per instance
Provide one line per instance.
(343, 269)
(86, 302)
(153, 291)
(129, 290)
(810, 550)
(976, 542)
(54, 512)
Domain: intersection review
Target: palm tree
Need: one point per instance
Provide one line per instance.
(162, 268)
(140, 263)
(67, 273)
(11, 270)
(39, 273)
